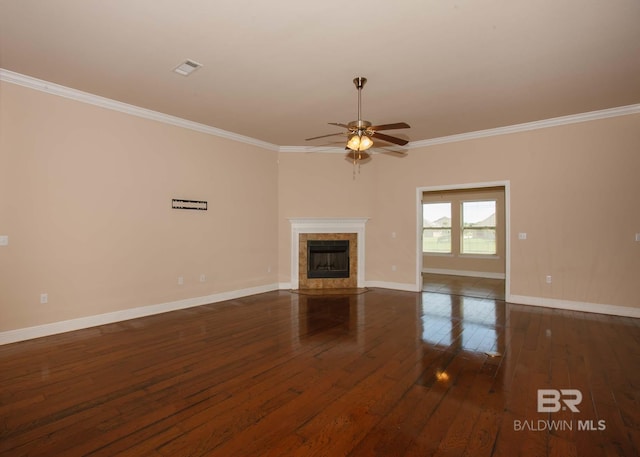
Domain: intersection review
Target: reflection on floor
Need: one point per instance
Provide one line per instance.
(455, 322)
(463, 285)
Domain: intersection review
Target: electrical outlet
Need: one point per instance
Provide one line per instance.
(394, 268)
(44, 299)
(4, 240)
(522, 236)
(180, 280)
(548, 279)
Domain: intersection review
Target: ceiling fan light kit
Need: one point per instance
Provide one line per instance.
(361, 133)
(359, 142)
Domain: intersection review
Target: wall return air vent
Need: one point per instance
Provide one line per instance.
(187, 67)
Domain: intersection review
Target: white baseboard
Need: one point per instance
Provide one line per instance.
(13, 336)
(393, 285)
(473, 274)
(599, 308)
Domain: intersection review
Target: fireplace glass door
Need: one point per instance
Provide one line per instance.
(328, 258)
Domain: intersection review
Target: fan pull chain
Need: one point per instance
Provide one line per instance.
(357, 162)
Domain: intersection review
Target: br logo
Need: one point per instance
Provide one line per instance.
(552, 400)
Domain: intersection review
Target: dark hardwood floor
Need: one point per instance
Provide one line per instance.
(463, 285)
(382, 373)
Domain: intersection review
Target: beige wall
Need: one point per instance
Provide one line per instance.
(457, 263)
(573, 190)
(85, 198)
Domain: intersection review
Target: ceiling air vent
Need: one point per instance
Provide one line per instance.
(187, 67)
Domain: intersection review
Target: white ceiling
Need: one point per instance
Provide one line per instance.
(278, 71)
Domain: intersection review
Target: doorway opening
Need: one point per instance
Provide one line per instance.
(463, 239)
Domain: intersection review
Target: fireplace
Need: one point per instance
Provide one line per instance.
(327, 258)
(306, 230)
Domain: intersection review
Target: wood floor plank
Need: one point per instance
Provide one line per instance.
(484, 432)
(454, 389)
(381, 373)
(457, 439)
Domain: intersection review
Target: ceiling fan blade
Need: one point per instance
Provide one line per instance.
(323, 136)
(397, 125)
(390, 149)
(339, 124)
(389, 139)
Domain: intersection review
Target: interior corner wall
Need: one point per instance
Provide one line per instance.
(85, 199)
(573, 190)
(320, 185)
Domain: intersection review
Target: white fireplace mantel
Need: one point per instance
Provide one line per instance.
(326, 225)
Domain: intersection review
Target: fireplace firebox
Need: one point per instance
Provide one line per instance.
(327, 258)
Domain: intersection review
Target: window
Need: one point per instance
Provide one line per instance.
(479, 227)
(436, 232)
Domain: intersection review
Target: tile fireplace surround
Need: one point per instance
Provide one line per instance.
(324, 228)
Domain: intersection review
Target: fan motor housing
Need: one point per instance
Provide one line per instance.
(360, 124)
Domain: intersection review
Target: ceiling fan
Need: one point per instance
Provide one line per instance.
(361, 134)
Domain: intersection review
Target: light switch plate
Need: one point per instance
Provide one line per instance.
(4, 240)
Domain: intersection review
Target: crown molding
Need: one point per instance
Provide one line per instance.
(535, 125)
(85, 97)
(527, 126)
(327, 149)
